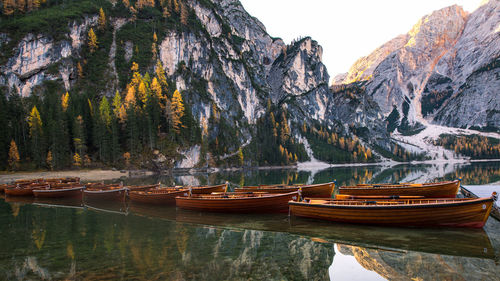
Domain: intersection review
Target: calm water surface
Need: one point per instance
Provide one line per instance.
(74, 240)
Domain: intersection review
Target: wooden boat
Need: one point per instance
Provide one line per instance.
(107, 192)
(28, 181)
(237, 202)
(207, 189)
(115, 192)
(312, 190)
(446, 189)
(458, 212)
(3, 187)
(142, 187)
(160, 196)
(62, 180)
(61, 192)
(25, 190)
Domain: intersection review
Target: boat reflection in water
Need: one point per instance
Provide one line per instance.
(136, 241)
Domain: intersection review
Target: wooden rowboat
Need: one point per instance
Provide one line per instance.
(458, 212)
(238, 203)
(447, 189)
(312, 190)
(3, 187)
(107, 193)
(207, 189)
(70, 191)
(25, 190)
(160, 196)
(142, 187)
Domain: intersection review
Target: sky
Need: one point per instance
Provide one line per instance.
(347, 30)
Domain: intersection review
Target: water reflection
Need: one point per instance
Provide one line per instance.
(69, 243)
(58, 239)
(471, 173)
(400, 265)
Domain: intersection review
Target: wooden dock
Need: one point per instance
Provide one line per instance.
(475, 191)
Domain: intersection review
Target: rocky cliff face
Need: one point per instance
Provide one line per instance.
(445, 70)
(468, 76)
(38, 57)
(225, 63)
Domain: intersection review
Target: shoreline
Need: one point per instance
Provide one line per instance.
(84, 175)
(108, 174)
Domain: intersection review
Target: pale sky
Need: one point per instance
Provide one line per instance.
(347, 30)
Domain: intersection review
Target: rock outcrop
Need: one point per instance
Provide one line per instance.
(39, 57)
(468, 76)
(445, 70)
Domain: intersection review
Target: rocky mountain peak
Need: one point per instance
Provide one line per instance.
(398, 70)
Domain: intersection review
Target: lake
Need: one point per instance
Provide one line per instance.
(74, 240)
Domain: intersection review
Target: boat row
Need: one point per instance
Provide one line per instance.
(405, 204)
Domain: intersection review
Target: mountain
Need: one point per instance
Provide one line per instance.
(198, 83)
(232, 75)
(443, 71)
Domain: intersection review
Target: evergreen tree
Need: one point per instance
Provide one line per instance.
(184, 14)
(49, 160)
(77, 160)
(160, 74)
(80, 70)
(102, 19)
(13, 156)
(36, 134)
(177, 111)
(8, 7)
(79, 138)
(92, 41)
(65, 101)
(103, 131)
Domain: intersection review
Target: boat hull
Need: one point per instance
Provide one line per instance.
(19, 192)
(160, 198)
(454, 213)
(315, 190)
(59, 193)
(106, 195)
(437, 190)
(269, 203)
(209, 189)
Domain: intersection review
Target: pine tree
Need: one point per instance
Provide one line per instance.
(156, 89)
(177, 111)
(130, 97)
(126, 3)
(65, 101)
(36, 4)
(13, 156)
(77, 160)
(142, 92)
(176, 6)
(80, 70)
(49, 160)
(93, 44)
(117, 103)
(35, 124)
(8, 7)
(21, 5)
(102, 19)
(79, 137)
(184, 14)
(105, 111)
(160, 74)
